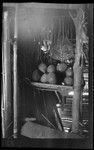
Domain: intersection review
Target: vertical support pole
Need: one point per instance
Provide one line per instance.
(3, 95)
(91, 47)
(4, 73)
(76, 98)
(6, 105)
(15, 74)
(78, 66)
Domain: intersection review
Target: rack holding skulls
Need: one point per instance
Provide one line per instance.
(66, 60)
(54, 73)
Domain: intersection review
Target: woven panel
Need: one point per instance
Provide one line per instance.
(63, 50)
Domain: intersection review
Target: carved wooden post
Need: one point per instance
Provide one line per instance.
(78, 66)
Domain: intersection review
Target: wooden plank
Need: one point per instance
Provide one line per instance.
(63, 90)
(50, 86)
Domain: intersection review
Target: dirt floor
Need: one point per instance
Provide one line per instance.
(56, 140)
(26, 142)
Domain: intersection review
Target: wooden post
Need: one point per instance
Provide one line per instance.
(15, 74)
(78, 67)
(4, 74)
(77, 95)
(6, 105)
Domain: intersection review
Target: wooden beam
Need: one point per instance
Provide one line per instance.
(45, 5)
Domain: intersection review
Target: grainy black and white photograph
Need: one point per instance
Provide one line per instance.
(46, 60)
